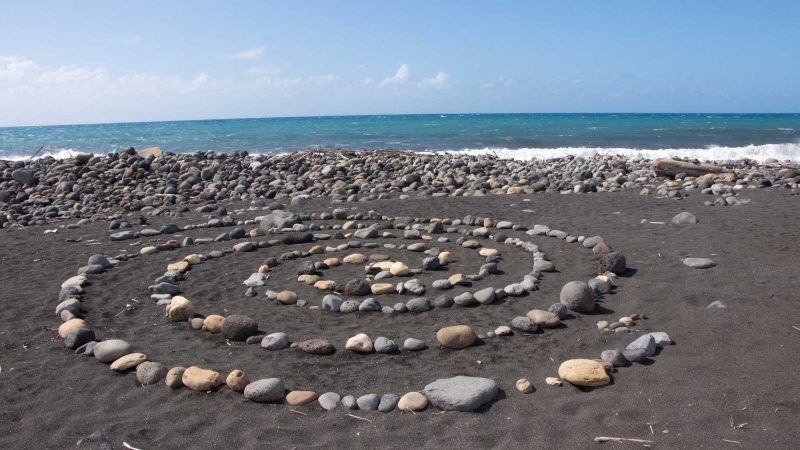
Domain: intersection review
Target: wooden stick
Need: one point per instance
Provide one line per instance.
(359, 418)
(732, 442)
(602, 439)
(798, 329)
(299, 412)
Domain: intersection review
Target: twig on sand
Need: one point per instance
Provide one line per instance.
(359, 418)
(129, 446)
(299, 412)
(796, 328)
(603, 439)
(439, 413)
(731, 442)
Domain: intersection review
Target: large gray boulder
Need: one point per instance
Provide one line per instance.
(578, 296)
(279, 219)
(461, 393)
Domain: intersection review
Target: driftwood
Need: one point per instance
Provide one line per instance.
(670, 168)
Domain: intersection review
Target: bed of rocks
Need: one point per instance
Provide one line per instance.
(39, 191)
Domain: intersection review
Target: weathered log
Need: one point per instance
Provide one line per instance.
(670, 168)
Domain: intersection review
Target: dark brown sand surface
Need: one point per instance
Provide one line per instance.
(730, 380)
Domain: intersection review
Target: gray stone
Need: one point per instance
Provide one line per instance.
(237, 327)
(599, 287)
(349, 306)
(164, 288)
(413, 344)
(578, 296)
(645, 342)
(77, 337)
(524, 324)
(368, 402)
(590, 242)
(431, 263)
(332, 302)
(684, 218)
(465, 299)
(329, 400)
(275, 341)
(279, 219)
(384, 345)
(110, 350)
(612, 262)
(417, 305)
(414, 286)
(150, 372)
(461, 393)
(614, 357)
(369, 304)
(559, 309)
(349, 402)
(661, 339)
(265, 390)
(484, 296)
(542, 265)
(357, 288)
(699, 263)
(441, 284)
(514, 290)
(443, 301)
(100, 260)
(635, 355)
(388, 402)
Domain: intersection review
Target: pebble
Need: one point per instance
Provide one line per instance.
(329, 400)
(275, 341)
(180, 309)
(174, 377)
(524, 324)
(296, 398)
(287, 297)
(553, 381)
(368, 402)
(456, 337)
(382, 288)
(544, 319)
(485, 296)
(418, 305)
(559, 309)
(70, 325)
(638, 355)
(150, 372)
(684, 218)
(644, 342)
(238, 327)
(385, 345)
(349, 402)
(413, 344)
(198, 379)
(265, 390)
(584, 372)
(317, 347)
(237, 380)
(699, 263)
(465, 299)
(413, 401)
(127, 362)
(461, 393)
(360, 343)
(77, 337)
(578, 296)
(614, 357)
(388, 403)
(111, 350)
(524, 386)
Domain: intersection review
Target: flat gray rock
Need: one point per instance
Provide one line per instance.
(461, 393)
(699, 263)
(644, 342)
(684, 218)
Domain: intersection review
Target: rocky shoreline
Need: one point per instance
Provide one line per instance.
(41, 191)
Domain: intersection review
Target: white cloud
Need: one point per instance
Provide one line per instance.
(271, 69)
(400, 77)
(366, 81)
(440, 80)
(71, 74)
(502, 82)
(13, 69)
(248, 55)
(197, 83)
(135, 39)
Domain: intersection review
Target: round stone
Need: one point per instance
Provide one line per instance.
(578, 296)
(584, 372)
(127, 362)
(265, 390)
(356, 287)
(150, 372)
(412, 401)
(317, 347)
(238, 327)
(296, 398)
(213, 323)
(360, 343)
(174, 377)
(398, 269)
(413, 344)
(287, 297)
(275, 341)
(180, 309)
(237, 380)
(461, 393)
(385, 345)
(544, 319)
(329, 400)
(456, 337)
(110, 350)
(524, 324)
(198, 379)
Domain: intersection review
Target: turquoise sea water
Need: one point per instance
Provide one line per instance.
(708, 136)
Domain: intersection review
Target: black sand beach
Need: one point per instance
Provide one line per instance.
(729, 380)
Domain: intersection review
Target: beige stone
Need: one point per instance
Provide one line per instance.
(583, 372)
(502, 330)
(553, 381)
(244, 247)
(174, 378)
(287, 297)
(514, 190)
(445, 257)
(296, 398)
(458, 279)
(193, 259)
(149, 250)
(524, 386)
(382, 265)
(360, 343)
(72, 324)
(412, 401)
(382, 288)
(308, 279)
(378, 257)
(399, 269)
(627, 321)
(325, 285)
(180, 309)
(602, 324)
(470, 244)
(237, 380)
(456, 336)
(544, 319)
(199, 379)
(488, 252)
(149, 151)
(331, 262)
(213, 323)
(263, 268)
(316, 250)
(127, 362)
(355, 258)
(180, 266)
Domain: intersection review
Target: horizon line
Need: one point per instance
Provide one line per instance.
(328, 116)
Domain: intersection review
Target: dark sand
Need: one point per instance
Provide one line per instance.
(733, 366)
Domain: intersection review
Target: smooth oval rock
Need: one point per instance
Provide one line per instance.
(578, 296)
(456, 337)
(198, 379)
(584, 372)
(111, 350)
(265, 390)
(461, 393)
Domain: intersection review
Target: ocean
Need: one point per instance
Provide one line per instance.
(519, 136)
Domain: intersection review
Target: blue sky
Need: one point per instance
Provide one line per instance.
(112, 61)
